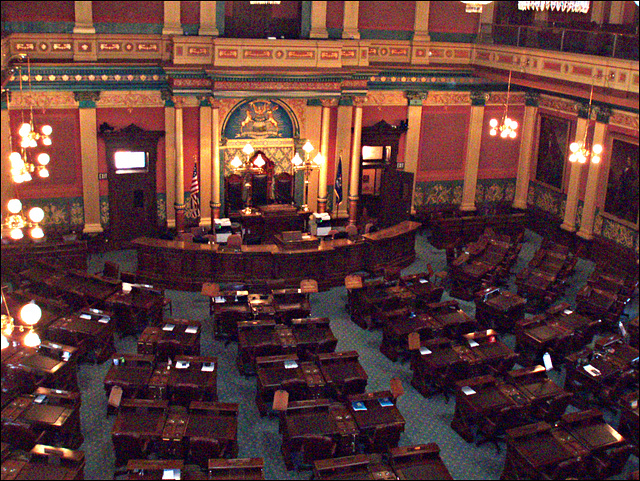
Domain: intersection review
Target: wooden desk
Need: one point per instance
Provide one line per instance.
(90, 331)
(450, 320)
(154, 468)
(186, 265)
(136, 308)
(45, 462)
(498, 309)
(262, 338)
(291, 304)
(374, 411)
(313, 336)
(236, 468)
(343, 373)
(422, 288)
(358, 466)
(490, 354)
(213, 421)
(228, 309)
(193, 378)
(590, 429)
(421, 461)
(396, 331)
(131, 372)
(628, 423)
(174, 337)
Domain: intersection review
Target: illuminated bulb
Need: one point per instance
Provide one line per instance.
(37, 233)
(46, 141)
(507, 121)
(44, 173)
(14, 206)
(16, 234)
(259, 161)
(574, 147)
(493, 132)
(30, 313)
(236, 162)
(24, 143)
(493, 123)
(32, 339)
(5, 342)
(16, 159)
(504, 134)
(297, 160)
(514, 124)
(25, 130)
(572, 158)
(36, 215)
(595, 159)
(307, 147)
(582, 159)
(43, 158)
(47, 130)
(318, 159)
(26, 177)
(248, 149)
(597, 149)
(33, 143)
(512, 134)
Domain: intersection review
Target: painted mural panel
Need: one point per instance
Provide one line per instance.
(622, 186)
(259, 119)
(552, 150)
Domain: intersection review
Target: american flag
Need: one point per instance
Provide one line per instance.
(194, 199)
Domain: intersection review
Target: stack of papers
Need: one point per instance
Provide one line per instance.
(191, 330)
(182, 364)
(168, 327)
(425, 350)
(290, 364)
(473, 343)
(468, 391)
(385, 401)
(358, 406)
(208, 367)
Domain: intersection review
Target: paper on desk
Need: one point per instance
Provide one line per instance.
(191, 330)
(290, 364)
(40, 398)
(568, 311)
(546, 359)
(425, 350)
(84, 315)
(208, 367)
(473, 343)
(126, 287)
(219, 300)
(104, 319)
(592, 370)
(385, 402)
(171, 474)
(468, 391)
(423, 281)
(168, 327)
(242, 293)
(182, 364)
(358, 406)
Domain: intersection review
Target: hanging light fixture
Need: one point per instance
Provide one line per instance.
(29, 314)
(16, 221)
(507, 126)
(577, 7)
(474, 7)
(22, 162)
(307, 165)
(580, 151)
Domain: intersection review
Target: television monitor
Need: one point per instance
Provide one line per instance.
(126, 161)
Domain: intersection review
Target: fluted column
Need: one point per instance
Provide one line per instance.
(354, 175)
(89, 158)
(589, 209)
(324, 150)
(205, 160)
(523, 174)
(472, 159)
(179, 205)
(83, 18)
(412, 139)
(318, 20)
(571, 209)
(172, 25)
(208, 19)
(350, 22)
(216, 175)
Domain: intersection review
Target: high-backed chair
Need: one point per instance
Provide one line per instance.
(283, 188)
(203, 449)
(260, 192)
(129, 446)
(316, 446)
(233, 185)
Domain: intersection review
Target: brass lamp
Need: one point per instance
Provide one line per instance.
(247, 168)
(307, 166)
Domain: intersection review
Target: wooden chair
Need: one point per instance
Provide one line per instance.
(283, 188)
(233, 193)
(235, 241)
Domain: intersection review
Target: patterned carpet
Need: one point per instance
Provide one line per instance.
(427, 420)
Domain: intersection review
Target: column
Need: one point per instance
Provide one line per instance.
(344, 123)
(354, 171)
(597, 12)
(526, 150)
(569, 222)
(216, 179)
(324, 150)
(83, 18)
(208, 19)
(616, 14)
(485, 27)
(350, 22)
(472, 160)
(205, 160)
(89, 157)
(170, 153)
(5, 144)
(421, 22)
(589, 209)
(178, 203)
(172, 25)
(318, 20)
(412, 139)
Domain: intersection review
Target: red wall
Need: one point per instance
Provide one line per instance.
(127, 12)
(335, 14)
(147, 118)
(190, 13)
(34, 12)
(442, 13)
(443, 140)
(387, 15)
(498, 156)
(191, 142)
(65, 179)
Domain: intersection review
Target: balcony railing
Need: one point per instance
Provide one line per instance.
(589, 42)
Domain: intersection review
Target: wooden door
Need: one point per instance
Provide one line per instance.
(395, 191)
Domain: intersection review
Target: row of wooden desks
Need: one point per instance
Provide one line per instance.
(370, 420)
(173, 337)
(235, 468)
(42, 462)
(581, 445)
(202, 431)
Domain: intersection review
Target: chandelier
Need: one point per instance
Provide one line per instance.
(307, 166)
(577, 7)
(22, 162)
(508, 126)
(474, 7)
(580, 151)
(249, 166)
(30, 314)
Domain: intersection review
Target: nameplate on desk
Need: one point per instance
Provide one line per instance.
(290, 364)
(85, 316)
(168, 327)
(182, 364)
(358, 406)
(592, 370)
(208, 367)
(425, 350)
(473, 343)
(385, 402)
(191, 330)
(468, 391)
(104, 319)
(40, 398)
(219, 300)
(170, 474)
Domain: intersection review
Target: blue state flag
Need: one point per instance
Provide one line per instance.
(337, 186)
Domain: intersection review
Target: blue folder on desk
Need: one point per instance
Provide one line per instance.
(358, 406)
